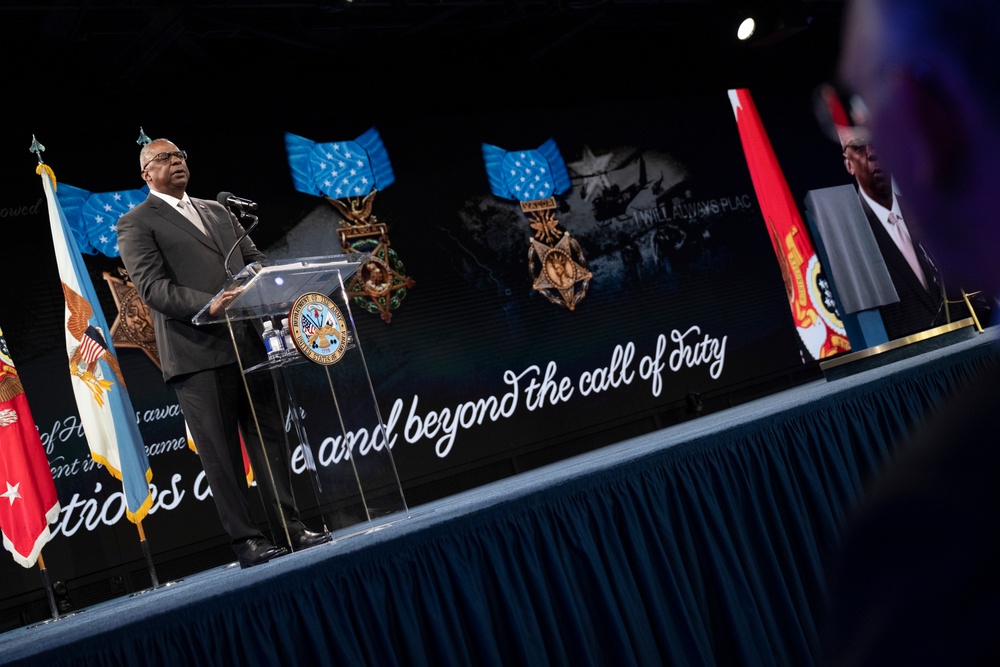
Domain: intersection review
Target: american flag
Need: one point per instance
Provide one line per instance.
(309, 327)
(92, 346)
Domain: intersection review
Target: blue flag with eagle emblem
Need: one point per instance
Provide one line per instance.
(106, 411)
(339, 169)
(526, 175)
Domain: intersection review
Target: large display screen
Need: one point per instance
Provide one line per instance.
(480, 367)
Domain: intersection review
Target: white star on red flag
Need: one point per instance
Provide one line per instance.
(12, 493)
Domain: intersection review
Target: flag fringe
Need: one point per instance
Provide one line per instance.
(140, 513)
(143, 510)
(10, 387)
(43, 538)
(48, 170)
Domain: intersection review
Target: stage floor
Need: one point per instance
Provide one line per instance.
(367, 552)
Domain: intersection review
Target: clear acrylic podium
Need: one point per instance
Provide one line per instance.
(333, 427)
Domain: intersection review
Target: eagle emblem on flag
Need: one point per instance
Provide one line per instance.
(91, 347)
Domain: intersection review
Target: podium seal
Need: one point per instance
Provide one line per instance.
(318, 328)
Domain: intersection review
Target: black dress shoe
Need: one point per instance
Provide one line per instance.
(257, 550)
(306, 538)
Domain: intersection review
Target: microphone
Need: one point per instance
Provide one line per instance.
(229, 199)
(243, 208)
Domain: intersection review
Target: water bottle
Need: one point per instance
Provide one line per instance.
(272, 342)
(286, 339)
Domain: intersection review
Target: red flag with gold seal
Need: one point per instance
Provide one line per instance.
(813, 308)
(28, 500)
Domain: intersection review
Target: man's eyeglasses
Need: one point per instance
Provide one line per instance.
(163, 157)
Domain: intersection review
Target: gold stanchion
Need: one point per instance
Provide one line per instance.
(972, 311)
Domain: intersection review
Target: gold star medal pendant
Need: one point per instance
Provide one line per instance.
(348, 174)
(556, 263)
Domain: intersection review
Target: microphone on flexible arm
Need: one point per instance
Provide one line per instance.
(231, 200)
(242, 207)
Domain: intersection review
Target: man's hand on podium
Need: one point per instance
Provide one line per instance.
(220, 302)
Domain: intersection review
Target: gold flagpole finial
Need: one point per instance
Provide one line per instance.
(37, 148)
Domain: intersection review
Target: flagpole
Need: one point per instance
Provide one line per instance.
(147, 554)
(48, 588)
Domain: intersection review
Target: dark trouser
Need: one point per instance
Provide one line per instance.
(214, 403)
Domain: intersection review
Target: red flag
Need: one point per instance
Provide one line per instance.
(28, 500)
(820, 329)
(247, 470)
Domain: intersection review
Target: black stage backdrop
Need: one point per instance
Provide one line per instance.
(686, 303)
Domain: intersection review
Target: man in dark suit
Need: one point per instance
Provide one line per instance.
(916, 279)
(174, 248)
(917, 578)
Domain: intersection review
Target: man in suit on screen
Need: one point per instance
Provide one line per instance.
(913, 273)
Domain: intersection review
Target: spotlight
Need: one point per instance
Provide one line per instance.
(764, 23)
